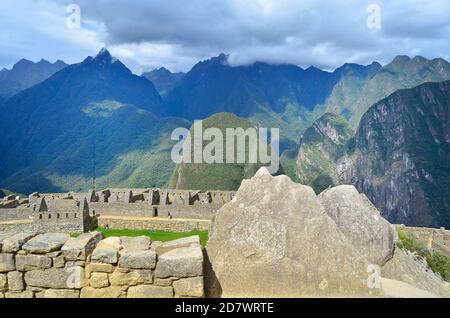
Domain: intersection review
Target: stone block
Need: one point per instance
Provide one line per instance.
(138, 259)
(58, 293)
(150, 291)
(107, 251)
(122, 277)
(31, 262)
(3, 283)
(57, 278)
(15, 281)
(141, 243)
(99, 280)
(189, 287)
(59, 262)
(77, 249)
(171, 245)
(13, 243)
(7, 263)
(108, 292)
(24, 294)
(98, 267)
(46, 243)
(181, 262)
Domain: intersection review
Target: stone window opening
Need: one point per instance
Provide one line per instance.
(58, 215)
(67, 215)
(75, 215)
(40, 216)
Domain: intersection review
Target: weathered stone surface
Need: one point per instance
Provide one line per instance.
(180, 262)
(30, 262)
(150, 291)
(138, 259)
(77, 249)
(58, 293)
(3, 282)
(98, 267)
(1, 295)
(45, 243)
(146, 276)
(183, 242)
(99, 280)
(122, 277)
(164, 282)
(7, 263)
(108, 292)
(24, 294)
(189, 287)
(404, 267)
(141, 243)
(14, 243)
(15, 281)
(397, 289)
(58, 278)
(360, 222)
(59, 261)
(107, 251)
(274, 239)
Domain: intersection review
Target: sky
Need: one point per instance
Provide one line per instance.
(177, 34)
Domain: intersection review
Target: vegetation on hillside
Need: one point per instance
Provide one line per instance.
(438, 262)
(215, 176)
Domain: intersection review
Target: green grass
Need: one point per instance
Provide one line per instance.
(154, 235)
(438, 262)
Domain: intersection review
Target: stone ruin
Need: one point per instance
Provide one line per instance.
(80, 212)
(54, 265)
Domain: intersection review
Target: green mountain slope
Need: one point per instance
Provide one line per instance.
(353, 95)
(322, 145)
(163, 79)
(91, 119)
(399, 156)
(214, 176)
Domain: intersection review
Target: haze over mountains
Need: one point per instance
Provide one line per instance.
(63, 125)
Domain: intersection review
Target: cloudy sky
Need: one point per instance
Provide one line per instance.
(176, 34)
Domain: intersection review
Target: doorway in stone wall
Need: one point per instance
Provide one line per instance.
(155, 212)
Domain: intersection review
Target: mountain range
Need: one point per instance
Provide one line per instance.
(90, 119)
(399, 156)
(25, 74)
(96, 124)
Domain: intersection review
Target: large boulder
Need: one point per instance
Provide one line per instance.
(360, 222)
(274, 239)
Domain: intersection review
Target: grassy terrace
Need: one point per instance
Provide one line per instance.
(154, 235)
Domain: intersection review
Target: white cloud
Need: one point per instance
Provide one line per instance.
(178, 33)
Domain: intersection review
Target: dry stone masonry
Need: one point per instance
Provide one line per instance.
(158, 209)
(54, 265)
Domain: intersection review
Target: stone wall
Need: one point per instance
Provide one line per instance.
(143, 209)
(154, 224)
(56, 266)
(433, 239)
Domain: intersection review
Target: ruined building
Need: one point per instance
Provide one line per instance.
(81, 212)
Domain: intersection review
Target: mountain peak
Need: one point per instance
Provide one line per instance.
(23, 62)
(104, 56)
